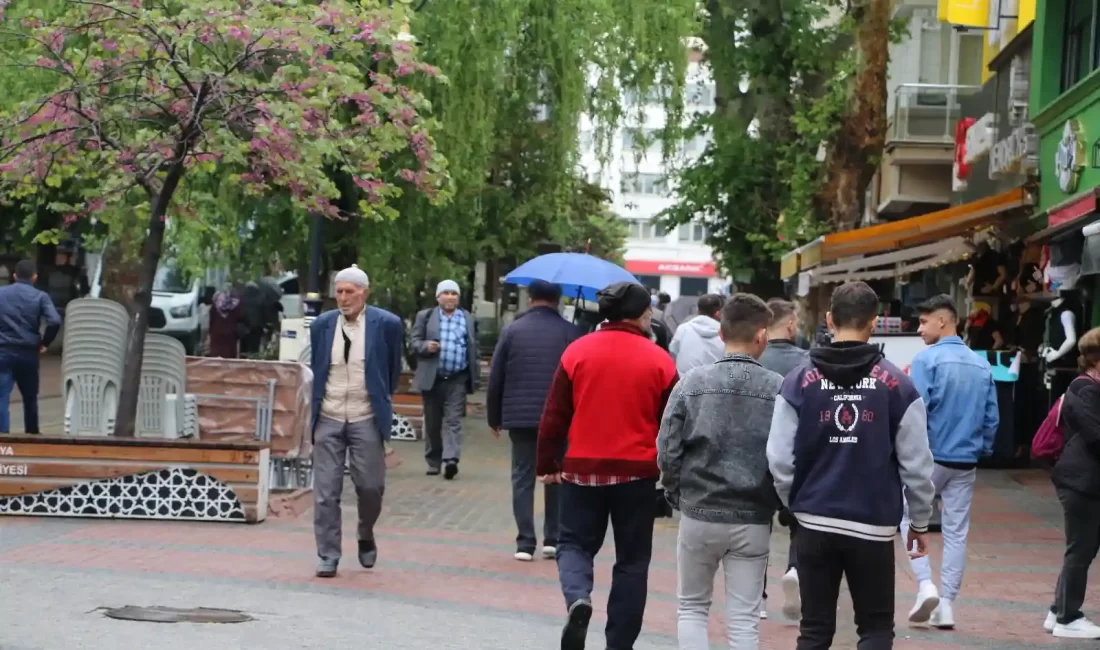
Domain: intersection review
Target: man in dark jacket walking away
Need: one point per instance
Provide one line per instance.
(526, 356)
(604, 408)
(849, 436)
(22, 310)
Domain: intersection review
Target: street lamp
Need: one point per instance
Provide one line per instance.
(313, 300)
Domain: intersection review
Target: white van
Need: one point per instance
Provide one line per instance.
(180, 307)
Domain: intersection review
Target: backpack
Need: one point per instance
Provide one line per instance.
(1050, 439)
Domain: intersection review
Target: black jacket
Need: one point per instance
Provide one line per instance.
(524, 362)
(1078, 469)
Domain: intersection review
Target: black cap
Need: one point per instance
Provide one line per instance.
(623, 301)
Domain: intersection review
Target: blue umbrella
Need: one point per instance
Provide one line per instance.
(578, 275)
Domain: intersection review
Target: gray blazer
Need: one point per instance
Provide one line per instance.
(425, 329)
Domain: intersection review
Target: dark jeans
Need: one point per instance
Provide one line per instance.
(792, 555)
(524, 443)
(1082, 516)
(825, 558)
(19, 368)
(585, 512)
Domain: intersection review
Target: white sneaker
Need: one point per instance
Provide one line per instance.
(943, 617)
(549, 552)
(523, 556)
(928, 598)
(1050, 622)
(1082, 628)
(792, 601)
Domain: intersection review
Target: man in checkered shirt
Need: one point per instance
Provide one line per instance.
(444, 339)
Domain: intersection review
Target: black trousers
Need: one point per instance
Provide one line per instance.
(1082, 515)
(585, 512)
(823, 560)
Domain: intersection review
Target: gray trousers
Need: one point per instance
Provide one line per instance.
(361, 445)
(524, 445)
(742, 552)
(444, 408)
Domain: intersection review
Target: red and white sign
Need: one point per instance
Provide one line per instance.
(697, 269)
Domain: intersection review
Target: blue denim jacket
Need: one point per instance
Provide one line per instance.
(957, 386)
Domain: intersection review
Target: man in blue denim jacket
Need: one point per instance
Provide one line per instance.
(957, 386)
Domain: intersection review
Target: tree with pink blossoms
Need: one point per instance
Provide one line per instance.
(156, 99)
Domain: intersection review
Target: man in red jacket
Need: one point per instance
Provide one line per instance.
(604, 407)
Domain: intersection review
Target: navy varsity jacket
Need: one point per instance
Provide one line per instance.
(848, 437)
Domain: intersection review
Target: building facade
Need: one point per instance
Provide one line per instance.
(637, 177)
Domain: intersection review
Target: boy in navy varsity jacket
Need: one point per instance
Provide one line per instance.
(848, 438)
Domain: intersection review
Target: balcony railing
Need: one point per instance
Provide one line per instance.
(926, 113)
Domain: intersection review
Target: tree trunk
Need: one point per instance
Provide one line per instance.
(126, 423)
(862, 136)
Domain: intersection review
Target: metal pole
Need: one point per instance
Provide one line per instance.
(313, 301)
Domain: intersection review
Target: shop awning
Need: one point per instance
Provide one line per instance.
(915, 231)
(1068, 217)
(889, 265)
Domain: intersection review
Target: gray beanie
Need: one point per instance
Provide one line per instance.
(447, 285)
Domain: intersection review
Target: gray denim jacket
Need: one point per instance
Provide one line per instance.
(713, 441)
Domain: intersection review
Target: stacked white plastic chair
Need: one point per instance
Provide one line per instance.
(91, 365)
(163, 374)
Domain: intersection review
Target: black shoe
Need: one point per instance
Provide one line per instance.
(450, 471)
(368, 553)
(433, 471)
(575, 632)
(326, 568)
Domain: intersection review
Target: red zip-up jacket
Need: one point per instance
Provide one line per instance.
(606, 402)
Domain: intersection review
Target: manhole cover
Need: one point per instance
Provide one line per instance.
(175, 615)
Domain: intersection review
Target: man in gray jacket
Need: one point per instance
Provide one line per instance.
(782, 356)
(445, 341)
(714, 469)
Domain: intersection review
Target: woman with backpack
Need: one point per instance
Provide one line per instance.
(1076, 478)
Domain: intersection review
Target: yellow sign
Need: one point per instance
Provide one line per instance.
(970, 13)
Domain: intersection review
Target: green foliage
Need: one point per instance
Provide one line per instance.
(188, 109)
(522, 73)
(757, 182)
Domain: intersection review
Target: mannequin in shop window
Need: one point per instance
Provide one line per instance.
(1028, 332)
(1060, 333)
(988, 272)
(982, 330)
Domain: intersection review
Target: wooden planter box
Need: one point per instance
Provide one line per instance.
(130, 478)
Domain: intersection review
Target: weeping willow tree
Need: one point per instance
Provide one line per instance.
(521, 75)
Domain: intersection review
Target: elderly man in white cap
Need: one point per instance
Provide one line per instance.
(445, 342)
(355, 354)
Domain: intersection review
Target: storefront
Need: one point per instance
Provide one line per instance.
(677, 278)
(1065, 108)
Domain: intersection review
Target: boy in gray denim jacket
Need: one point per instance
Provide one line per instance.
(712, 453)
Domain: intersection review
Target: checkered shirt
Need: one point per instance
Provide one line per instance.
(596, 480)
(453, 357)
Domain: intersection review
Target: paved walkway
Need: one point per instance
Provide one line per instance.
(446, 578)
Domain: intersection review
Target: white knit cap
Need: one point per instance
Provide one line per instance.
(354, 275)
(447, 285)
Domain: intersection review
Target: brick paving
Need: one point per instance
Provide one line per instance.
(446, 579)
